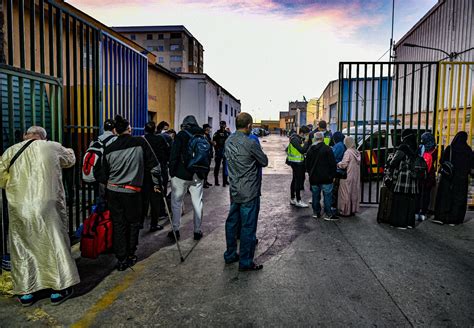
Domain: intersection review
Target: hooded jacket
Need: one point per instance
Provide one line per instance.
(320, 164)
(177, 167)
(461, 155)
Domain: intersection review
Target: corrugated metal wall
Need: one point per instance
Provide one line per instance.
(449, 26)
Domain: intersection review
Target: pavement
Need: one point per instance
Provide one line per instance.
(353, 272)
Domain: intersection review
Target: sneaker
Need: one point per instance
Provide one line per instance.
(132, 260)
(422, 217)
(417, 217)
(437, 222)
(310, 201)
(171, 235)
(27, 300)
(198, 235)
(293, 201)
(253, 267)
(301, 204)
(331, 218)
(205, 186)
(410, 227)
(401, 228)
(235, 259)
(316, 216)
(452, 225)
(59, 297)
(122, 265)
(155, 228)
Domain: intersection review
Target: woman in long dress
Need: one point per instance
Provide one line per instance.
(451, 202)
(349, 189)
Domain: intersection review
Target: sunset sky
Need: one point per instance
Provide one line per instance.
(268, 52)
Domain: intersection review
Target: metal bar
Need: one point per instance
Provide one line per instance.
(135, 85)
(458, 100)
(21, 88)
(15, 71)
(428, 98)
(68, 81)
(10, 32)
(420, 98)
(32, 36)
(42, 104)
(349, 105)
(105, 46)
(99, 79)
(82, 116)
(41, 35)
(356, 126)
(471, 119)
(339, 101)
(52, 108)
(51, 39)
(379, 134)
(389, 97)
(466, 91)
(59, 114)
(59, 42)
(11, 113)
(441, 109)
(412, 94)
(115, 82)
(75, 139)
(88, 112)
(450, 102)
(404, 96)
(126, 82)
(397, 78)
(21, 27)
(372, 133)
(377, 62)
(364, 125)
(436, 102)
(33, 101)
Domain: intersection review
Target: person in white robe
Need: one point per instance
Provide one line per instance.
(38, 236)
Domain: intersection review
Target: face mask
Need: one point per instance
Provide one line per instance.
(422, 150)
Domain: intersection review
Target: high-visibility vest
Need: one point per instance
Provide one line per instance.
(294, 155)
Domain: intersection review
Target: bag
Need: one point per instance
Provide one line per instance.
(341, 174)
(385, 205)
(418, 168)
(92, 162)
(197, 155)
(447, 168)
(96, 235)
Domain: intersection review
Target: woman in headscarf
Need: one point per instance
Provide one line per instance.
(405, 185)
(427, 151)
(451, 200)
(338, 149)
(349, 189)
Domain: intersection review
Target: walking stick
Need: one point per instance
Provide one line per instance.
(171, 224)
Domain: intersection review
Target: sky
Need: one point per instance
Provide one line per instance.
(269, 52)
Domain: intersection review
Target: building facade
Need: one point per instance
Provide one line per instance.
(161, 94)
(201, 96)
(174, 46)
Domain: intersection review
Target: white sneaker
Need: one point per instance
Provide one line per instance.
(293, 201)
(422, 217)
(301, 204)
(310, 201)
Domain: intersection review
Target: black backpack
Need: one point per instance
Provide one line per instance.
(197, 154)
(418, 168)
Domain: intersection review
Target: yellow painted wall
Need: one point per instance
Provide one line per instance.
(161, 95)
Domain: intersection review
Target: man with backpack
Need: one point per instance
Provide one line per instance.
(189, 163)
(125, 163)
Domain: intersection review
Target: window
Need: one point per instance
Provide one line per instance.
(226, 109)
(149, 36)
(175, 35)
(161, 48)
(176, 58)
(220, 106)
(231, 111)
(160, 36)
(161, 60)
(133, 37)
(150, 48)
(175, 47)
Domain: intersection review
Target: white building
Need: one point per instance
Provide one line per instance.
(201, 96)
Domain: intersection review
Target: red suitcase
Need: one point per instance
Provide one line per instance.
(96, 235)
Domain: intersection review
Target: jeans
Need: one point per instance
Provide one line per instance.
(327, 192)
(245, 214)
(179, 188)
(220, 159)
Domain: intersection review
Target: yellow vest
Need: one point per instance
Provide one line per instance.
(294, 155)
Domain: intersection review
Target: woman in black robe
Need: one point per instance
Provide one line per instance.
(451, 200)
(405, 186)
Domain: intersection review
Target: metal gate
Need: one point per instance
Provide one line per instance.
(66, 73)
(377, 101)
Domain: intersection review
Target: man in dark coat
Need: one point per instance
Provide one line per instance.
(321, 166)
(219, 139)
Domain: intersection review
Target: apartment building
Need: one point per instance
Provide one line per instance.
(174, 46)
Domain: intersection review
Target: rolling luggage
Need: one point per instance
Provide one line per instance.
(385, 205)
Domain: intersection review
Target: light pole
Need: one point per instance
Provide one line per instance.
(451, 55)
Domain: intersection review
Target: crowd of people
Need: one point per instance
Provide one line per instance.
(136, 170)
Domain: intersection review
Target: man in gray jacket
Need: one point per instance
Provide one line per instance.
(244, 157)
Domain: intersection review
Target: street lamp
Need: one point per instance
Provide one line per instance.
(451, 55)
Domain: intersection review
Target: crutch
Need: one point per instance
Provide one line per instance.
(171, 224)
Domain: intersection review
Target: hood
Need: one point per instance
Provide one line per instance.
(190, 120)
(354, 153)
(428, 140)
(338, 137)
(460, 142)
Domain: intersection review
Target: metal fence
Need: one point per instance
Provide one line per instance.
(377, 101)
(64, 72)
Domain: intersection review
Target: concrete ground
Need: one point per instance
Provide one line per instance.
(353, 272)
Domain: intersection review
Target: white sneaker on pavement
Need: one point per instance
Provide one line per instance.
(301, 204)
(293, 201)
